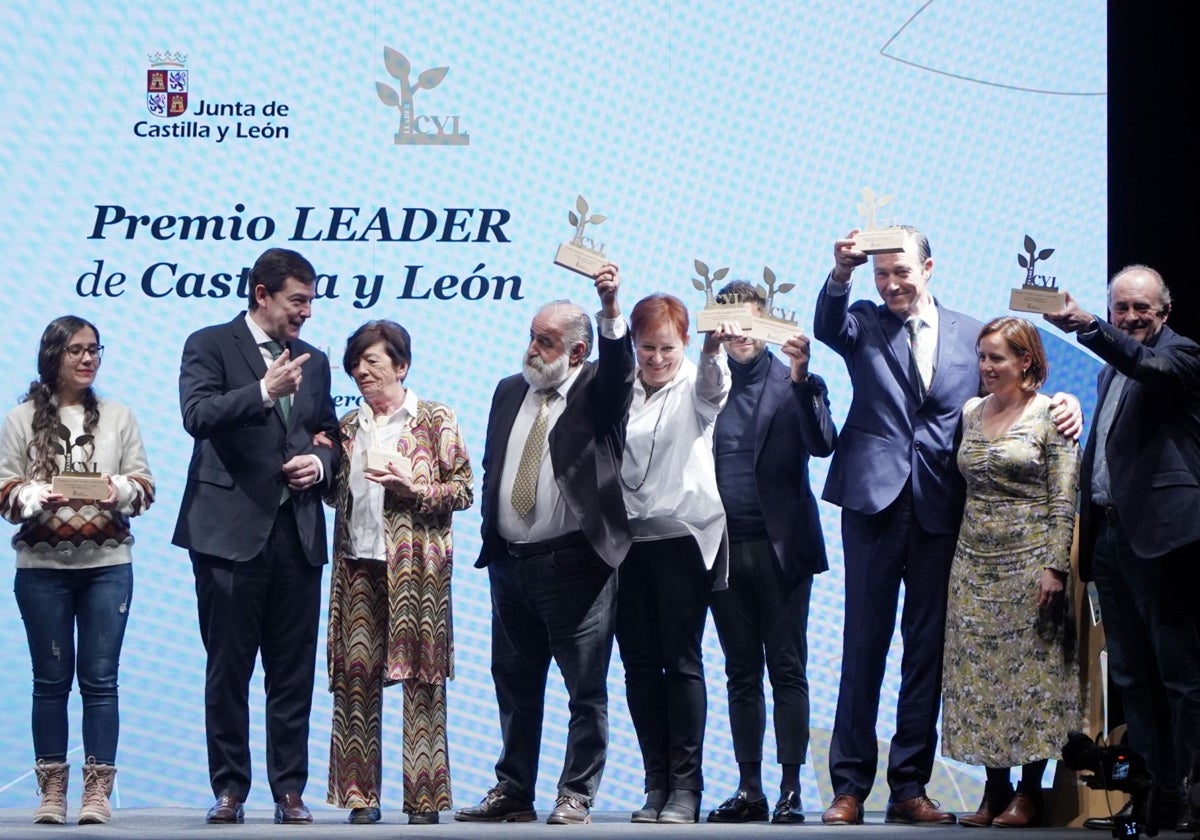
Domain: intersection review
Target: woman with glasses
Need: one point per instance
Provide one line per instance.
(74, 577)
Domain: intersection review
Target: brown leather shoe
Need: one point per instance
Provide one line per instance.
(290, 810)
(227, 809)
(1021, 812)
(846, 809)
(569, 811)
(993, 803)
(920, 810)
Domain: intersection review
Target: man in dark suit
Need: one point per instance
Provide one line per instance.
(776, 416)
(1140, 525)
(554, 531)
(253, 398)
(912, 365)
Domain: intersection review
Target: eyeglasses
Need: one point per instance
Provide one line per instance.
(76, 351)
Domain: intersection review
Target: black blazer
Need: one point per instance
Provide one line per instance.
(791, 422)
(235, 476)
(1153, 447)
(585, 448)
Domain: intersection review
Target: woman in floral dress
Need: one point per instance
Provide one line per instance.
(1010, 689)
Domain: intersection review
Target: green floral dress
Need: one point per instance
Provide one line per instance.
(1011, 690)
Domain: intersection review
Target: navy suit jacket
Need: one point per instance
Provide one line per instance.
(1153, 446)
(891, 434)
(791, 422)
(586, 445)
(235, 476)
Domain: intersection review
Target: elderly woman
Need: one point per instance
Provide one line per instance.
(404, 471)
(678, 526)
(1011, 690)
(74, 576)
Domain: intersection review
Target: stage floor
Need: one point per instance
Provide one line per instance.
(183, 823)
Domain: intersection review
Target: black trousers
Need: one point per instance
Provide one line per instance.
(1149, 611)
(662, 605)
(271, 606)
(762, 620)
(558, 605)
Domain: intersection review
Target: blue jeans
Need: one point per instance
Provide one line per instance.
(54, 604)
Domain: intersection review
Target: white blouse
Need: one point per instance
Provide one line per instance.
(668, 471)
(366, 513)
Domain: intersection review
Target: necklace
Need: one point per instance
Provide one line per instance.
(653, 439)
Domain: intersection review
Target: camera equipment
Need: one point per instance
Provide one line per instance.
(1114, 768)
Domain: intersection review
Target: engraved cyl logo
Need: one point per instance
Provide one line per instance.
(418, 129)
(1029, 260)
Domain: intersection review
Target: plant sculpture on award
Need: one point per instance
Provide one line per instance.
(722, 309)
(78, 480)
(873, 239)
(1039, 292)
(583, 254)
(776, 325)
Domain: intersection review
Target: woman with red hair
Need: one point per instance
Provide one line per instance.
(678, 554)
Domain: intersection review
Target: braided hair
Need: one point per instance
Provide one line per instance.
(44, 447)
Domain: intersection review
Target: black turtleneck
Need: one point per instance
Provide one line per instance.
(733, 445)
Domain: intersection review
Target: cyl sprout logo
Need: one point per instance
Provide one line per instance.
(1031, 258)
(417, 129)
(707, 283)
(67, 449)
(580, 219)
(771, 291)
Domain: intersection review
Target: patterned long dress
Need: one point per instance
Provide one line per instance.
(390, 622)
(1011, 689)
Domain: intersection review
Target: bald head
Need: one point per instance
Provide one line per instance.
(1138, 302)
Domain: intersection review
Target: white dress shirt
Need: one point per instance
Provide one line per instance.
(550, 516)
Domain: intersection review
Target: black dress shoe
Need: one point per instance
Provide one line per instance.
(787, 809)
(423, 818)
(290, 810)
(1109, 823)
(364, 816)
(227, 809)
(740, 808)
(498, 806)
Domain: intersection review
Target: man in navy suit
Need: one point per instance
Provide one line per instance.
(912, 364)
(253, 398)
(1140, 526)
(777, 415)
(554, 532)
